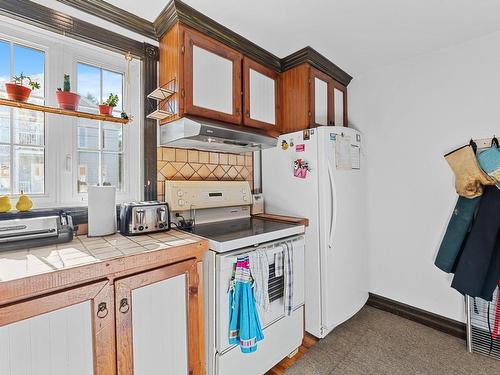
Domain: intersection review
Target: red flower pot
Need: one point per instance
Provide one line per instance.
(68, 100)
(105, 109)
(17, 92)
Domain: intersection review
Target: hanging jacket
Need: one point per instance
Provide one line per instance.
(458, 228)
(478, 268)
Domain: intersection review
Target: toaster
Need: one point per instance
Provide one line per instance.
(144, 217)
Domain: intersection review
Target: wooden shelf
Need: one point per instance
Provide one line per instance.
(59, 111)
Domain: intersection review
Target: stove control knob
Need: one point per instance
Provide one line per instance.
(180, 202)
(180, 193)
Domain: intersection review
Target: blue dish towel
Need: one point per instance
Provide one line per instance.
(489, 160)
(244, 323)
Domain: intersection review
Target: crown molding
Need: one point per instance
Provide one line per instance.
(114, 14)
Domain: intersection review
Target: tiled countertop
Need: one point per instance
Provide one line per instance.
(85, 250)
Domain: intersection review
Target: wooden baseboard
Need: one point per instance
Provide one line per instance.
(429, 319)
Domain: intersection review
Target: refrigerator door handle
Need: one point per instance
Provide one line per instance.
(333, 196)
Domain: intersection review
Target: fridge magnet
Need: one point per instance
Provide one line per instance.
(300, 148)
(300, 168)
(333, 136)
(284, 145)
(291, 142)
(306, 135)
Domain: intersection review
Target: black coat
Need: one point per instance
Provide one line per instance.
(478, 268)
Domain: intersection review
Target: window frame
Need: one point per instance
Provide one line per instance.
(61, 55)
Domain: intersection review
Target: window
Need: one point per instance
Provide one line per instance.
(99, 144)
(22, 132)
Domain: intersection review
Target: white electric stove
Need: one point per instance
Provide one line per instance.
(220, 211)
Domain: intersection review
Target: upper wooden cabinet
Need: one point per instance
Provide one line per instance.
(311, 98)
(261, 96)
(212, 78)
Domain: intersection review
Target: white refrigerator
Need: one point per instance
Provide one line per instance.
(319, 174)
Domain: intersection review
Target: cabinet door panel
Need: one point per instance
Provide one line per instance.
(262, 98)
(212, 79)
(159, 321)
(320, 102)
(59, 334)
(159, 326)
(340, 104)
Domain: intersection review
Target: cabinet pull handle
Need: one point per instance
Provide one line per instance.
(124, 306)
(102, 310)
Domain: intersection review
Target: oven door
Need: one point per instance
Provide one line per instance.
(225, 264)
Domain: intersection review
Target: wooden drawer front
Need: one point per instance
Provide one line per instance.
(212, 79)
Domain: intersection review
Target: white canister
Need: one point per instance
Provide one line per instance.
(102, 210)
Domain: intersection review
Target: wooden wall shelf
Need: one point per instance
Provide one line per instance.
(59, 111)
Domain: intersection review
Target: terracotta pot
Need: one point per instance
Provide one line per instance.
(17, 92)
(105, 109)
(68, 100)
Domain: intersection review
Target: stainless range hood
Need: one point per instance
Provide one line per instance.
(206, 135)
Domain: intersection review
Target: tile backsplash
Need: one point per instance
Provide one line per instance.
(181, 164)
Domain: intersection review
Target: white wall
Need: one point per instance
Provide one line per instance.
(411, 114)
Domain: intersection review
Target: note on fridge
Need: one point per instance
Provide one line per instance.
(343, 152)
(355, 157)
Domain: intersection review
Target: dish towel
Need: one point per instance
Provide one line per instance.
(288, 275)
(259, 271)
(244, 324)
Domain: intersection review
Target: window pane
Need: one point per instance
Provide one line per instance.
(30, 62)
(89, 87)
(112, 83)
(112, 170)
(88, 134)
(112, 136)
(28, 170)
(28, 127)
(88, 170)
(4, 124)
(4, 169)
(4, 66)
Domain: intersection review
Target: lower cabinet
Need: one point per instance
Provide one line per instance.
(147, 323)
(158, 320)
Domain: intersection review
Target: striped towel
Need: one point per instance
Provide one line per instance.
(288, 272)
(278, 263)
(259, 270)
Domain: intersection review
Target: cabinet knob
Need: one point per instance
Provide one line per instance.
(237, 111)
(124, 306)
(102, 310)
(247, 113)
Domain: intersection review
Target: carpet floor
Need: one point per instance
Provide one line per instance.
(377, 342)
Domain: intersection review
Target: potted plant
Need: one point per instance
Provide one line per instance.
(111, 102)
(17, 91)
(67, 99)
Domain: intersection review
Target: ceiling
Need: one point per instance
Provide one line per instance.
(357, 35)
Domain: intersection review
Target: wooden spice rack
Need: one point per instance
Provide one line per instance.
(59, 111)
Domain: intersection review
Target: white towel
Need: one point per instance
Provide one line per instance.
(259, 269)
(288, 272)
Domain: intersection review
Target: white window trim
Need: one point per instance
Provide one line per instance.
(61, 56)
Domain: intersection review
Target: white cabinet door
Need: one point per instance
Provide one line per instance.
(338, 97)
(262, 97)
(159, 327)
(54, 343)
(212, 81)
(320, 101)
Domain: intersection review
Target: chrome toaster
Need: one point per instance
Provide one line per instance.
(144, 217)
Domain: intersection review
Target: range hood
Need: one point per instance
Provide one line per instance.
(206, 135)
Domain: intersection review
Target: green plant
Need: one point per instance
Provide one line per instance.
(112, 100)
(67, 83)
(18, 80)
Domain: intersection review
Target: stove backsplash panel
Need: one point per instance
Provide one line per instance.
(181, 164)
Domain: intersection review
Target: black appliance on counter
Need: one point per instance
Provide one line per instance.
(35, 229)
(144, 217)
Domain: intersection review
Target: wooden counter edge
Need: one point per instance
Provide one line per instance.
(284, 219)
(37, 285)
